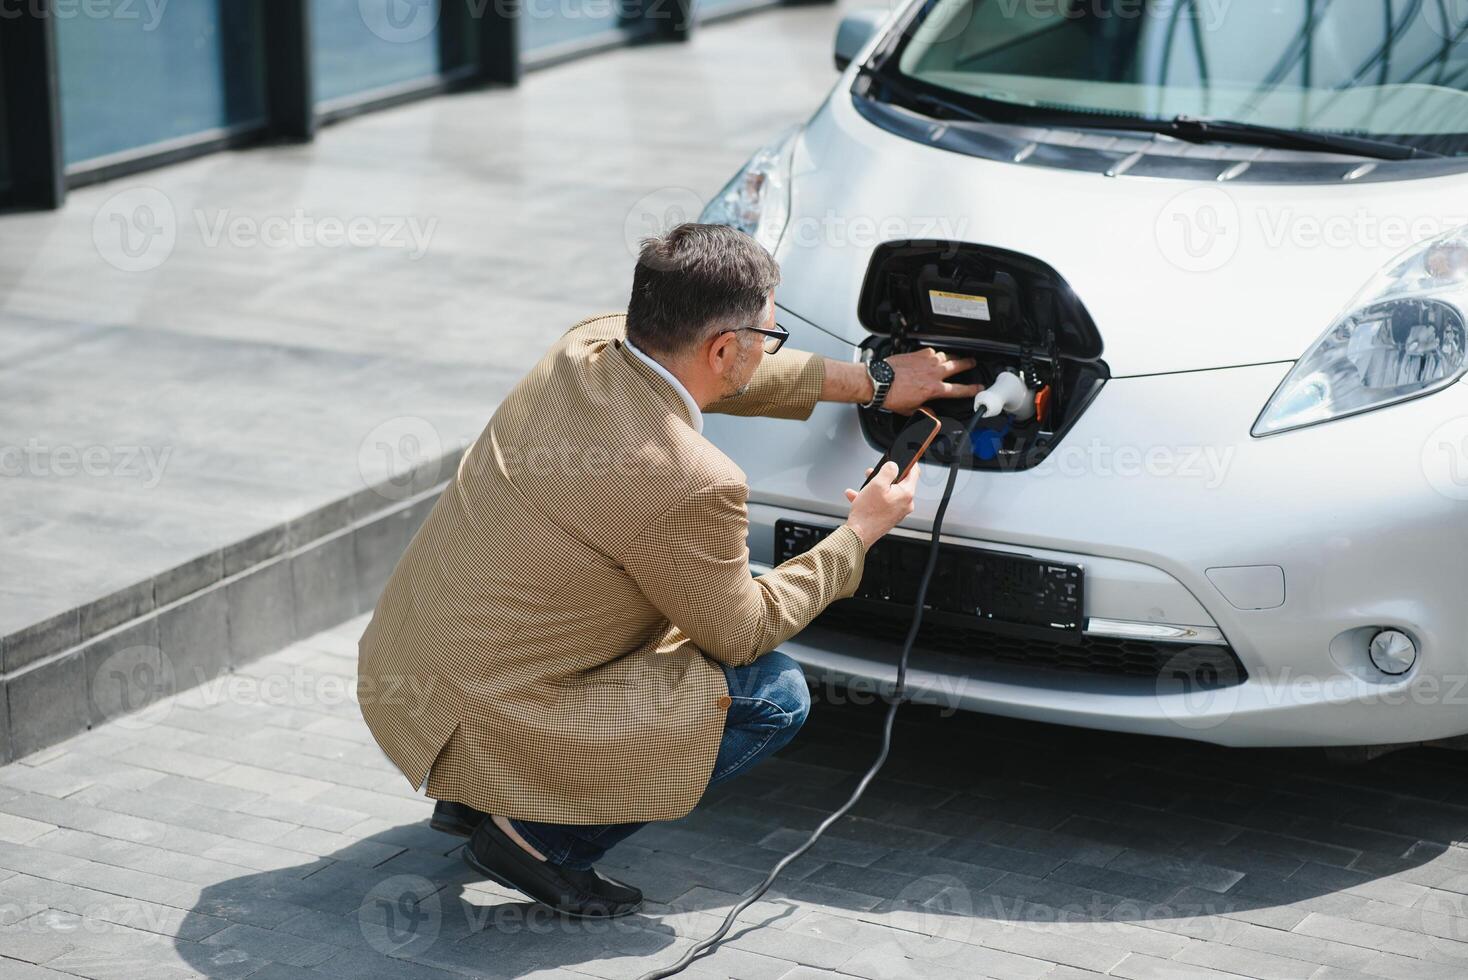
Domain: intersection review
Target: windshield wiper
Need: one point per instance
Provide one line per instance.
(1276, 137)
(1186, 128)
(913, 94)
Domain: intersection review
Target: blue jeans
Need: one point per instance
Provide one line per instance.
(769, 701)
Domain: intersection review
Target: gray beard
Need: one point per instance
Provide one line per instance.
(740, 389)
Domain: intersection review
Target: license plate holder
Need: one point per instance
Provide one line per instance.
(971, 587)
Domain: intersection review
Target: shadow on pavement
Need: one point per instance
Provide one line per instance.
(982, 832)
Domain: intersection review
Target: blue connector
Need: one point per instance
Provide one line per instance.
(988, 437)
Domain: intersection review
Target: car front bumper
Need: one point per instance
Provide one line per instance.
(1156, 490)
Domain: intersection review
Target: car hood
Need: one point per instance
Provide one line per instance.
(1178, 275)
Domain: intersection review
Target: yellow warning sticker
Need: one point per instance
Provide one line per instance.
(959, 304)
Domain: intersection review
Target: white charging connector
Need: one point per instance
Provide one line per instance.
(1007, 394)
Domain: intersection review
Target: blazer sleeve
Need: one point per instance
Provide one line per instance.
(692, 563)
(786, 385)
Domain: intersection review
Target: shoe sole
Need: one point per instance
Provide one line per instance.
(473, 862)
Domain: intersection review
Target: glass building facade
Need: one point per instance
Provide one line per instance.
(359, 47)
(92, 91)
(129, 82)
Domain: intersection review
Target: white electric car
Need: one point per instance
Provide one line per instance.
(1222, 246)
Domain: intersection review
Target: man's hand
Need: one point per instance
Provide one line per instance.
(882, 504)
(922, 376)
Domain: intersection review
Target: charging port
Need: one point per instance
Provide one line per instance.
(1010, 312)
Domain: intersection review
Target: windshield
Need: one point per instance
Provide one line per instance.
(1393, 70)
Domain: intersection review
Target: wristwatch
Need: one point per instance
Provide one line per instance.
(882, 376)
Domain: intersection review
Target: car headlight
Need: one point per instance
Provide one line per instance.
(757, 200)
(1403, 337)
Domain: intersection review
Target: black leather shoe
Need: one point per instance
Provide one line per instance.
(456, 818)
(578, 894)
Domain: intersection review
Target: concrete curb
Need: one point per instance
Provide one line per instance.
(194, 622)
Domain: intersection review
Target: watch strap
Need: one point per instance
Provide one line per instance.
(879, 388)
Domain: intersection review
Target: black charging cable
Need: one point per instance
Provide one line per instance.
(899, 692)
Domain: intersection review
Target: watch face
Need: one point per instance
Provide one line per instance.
(882, 372)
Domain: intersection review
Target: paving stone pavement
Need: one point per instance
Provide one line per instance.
(251, 828)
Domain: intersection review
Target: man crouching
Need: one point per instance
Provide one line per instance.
(587, 648)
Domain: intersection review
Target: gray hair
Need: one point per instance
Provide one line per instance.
(694, 282)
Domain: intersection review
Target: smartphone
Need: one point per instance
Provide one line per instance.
(910, 444)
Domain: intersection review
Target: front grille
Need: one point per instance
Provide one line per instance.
(1178, 667)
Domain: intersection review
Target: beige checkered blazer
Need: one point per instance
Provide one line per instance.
(545, 647)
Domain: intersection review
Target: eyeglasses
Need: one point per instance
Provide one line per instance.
(774, 339)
